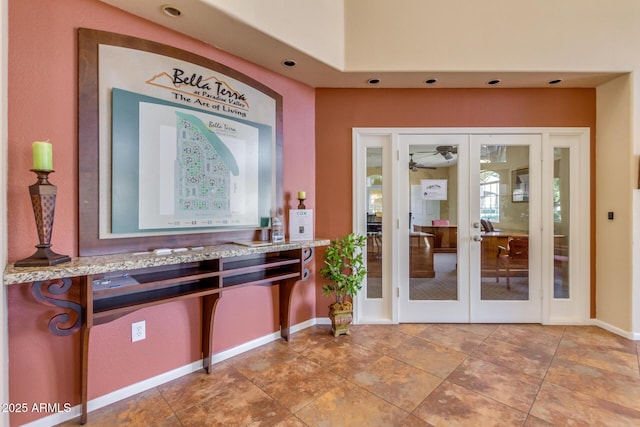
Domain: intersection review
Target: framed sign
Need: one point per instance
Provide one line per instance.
(520, 185)
(300, 224)
(174, 149)
(433, 189)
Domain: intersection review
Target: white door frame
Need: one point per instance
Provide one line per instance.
(574, 310)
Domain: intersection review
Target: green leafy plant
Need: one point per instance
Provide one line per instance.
(344, 268)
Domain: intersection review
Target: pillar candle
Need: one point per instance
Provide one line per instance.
(42, 156)
(302, 195)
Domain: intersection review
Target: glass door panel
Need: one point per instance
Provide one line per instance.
(505, 282)
(561, 215)
(433, 237)
(430, 279)
(504, 219)
(374, 222)
(373, 211)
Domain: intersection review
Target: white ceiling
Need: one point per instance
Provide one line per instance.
(200, 20)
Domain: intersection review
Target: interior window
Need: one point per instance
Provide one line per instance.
(490, 195)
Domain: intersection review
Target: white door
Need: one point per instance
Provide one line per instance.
(508, 242)
(505, 263)
(452, 270)
(422, 211)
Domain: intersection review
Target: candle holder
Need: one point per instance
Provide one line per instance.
(43, 200)
(301, 204)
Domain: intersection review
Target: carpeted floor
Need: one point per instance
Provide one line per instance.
(444, 285)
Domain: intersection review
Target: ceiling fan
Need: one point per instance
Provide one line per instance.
(446, 151)
(414, 166)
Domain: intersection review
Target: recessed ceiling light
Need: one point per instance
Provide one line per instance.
(493, 82)
(171, 11)
(373, 81)
(289, 63)
(555, 81)
(431, 81)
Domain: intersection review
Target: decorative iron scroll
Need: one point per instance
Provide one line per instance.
(307, 256)
(58, 287)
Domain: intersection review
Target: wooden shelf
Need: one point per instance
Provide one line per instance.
(106, 297)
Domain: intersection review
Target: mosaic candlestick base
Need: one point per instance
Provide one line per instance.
(301, 204)
(43, 200)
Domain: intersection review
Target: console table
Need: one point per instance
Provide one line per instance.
(112, 286)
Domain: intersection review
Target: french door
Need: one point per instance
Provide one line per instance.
(468, 226)
(451, 269)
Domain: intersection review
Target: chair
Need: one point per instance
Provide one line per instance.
(514, 256)
(486, 225)
(492, 227)
(374, 233)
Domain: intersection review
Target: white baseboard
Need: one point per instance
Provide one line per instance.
(635, 336)
(323, 321)
(133, 389)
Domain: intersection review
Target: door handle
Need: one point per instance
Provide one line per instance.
(476, 225)
(477, 238)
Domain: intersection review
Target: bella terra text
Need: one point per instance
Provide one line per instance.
(209, 89)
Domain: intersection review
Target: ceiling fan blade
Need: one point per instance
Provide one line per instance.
(414, 166)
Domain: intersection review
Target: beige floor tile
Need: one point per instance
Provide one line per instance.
(350, 405)
(309, 338)
(610, 356)
(243, 404)
(511, 387)
(143, 409)
(561, 406)
(290, 421)
(534, 362)
(296, 383)
(481, 329)
(537, 422)
(264, 357)
(398, 383)
(432, 358)
(195, 388)
(593, 335)
(413, 421)
(412, 328)
(380, 338)
(453, 337)
(452, 405)
(610, 386)
(535, 337)
(342, 356)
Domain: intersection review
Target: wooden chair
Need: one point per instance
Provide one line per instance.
(514, 257)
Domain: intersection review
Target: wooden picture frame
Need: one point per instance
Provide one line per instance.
(239, 99)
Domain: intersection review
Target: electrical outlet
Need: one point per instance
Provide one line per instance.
(138, 331)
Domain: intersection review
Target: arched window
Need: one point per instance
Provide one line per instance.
(490, 195)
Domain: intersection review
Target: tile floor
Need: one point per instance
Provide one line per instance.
(406, 375)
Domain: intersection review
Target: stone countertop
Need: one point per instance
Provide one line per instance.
(82, 266)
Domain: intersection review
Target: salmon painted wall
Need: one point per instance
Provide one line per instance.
(43, 105)
(340, 110)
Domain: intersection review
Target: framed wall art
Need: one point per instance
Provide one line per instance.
(520, 185)
(174, 148)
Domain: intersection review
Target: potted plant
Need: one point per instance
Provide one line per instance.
(345, 270)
